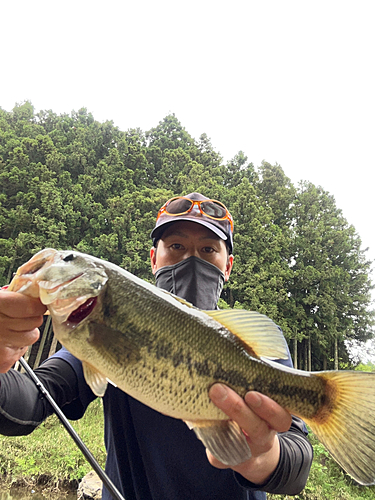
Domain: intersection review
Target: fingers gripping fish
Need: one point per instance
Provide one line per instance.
(167, 354)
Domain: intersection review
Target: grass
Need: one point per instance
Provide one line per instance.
(49, 457)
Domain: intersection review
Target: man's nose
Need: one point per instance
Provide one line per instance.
(192, 251)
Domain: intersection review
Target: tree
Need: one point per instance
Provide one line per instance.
(68, 181)
(278, 193)
(259, 273)
(238, 169)
(330, 286)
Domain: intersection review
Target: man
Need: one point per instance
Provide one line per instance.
(150, 455)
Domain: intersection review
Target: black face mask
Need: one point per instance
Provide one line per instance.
(194, 280)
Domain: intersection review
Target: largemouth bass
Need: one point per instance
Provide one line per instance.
(167, 354)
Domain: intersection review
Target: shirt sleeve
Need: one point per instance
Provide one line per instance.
(23, 407)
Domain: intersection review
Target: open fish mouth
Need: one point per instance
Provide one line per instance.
(37, 262)
(71, 300)
(65, 281)
(26, 278)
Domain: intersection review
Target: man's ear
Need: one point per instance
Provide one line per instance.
(228, 268)
(153, 259)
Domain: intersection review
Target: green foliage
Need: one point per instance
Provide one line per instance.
(368, 367)
(68, 181)
(330, 286)
(50, 452)
(259, 275)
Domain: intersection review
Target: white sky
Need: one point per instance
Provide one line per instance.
(288, 81)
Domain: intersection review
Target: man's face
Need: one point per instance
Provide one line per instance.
(183, 239)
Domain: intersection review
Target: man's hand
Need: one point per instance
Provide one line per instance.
(261, 419)
(20, 317)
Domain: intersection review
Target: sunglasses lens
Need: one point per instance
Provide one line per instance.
(213, 209)
(178, 206)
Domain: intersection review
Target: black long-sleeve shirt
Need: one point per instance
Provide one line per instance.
(149, 456)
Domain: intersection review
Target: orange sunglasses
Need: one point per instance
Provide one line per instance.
(210, 208)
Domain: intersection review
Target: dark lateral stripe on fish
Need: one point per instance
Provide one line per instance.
(165, 351)
(280, 388)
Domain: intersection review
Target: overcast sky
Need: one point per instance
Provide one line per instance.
(291, 82)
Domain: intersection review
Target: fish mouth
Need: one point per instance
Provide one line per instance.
(81, 313)
(54, 286)
(71, 300)
(25, 279)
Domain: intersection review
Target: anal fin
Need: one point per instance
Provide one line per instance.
(224, 439)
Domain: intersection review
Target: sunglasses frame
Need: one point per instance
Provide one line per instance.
(163, 209)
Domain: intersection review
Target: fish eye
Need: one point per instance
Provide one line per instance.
(68, 257)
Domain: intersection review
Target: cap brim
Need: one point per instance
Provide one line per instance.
(158, 231)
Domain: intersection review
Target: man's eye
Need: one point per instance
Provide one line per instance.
(176, 246)
(208, 249)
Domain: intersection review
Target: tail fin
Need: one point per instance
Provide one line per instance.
(346, 426)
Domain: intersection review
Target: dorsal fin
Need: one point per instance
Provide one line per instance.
(258, 332)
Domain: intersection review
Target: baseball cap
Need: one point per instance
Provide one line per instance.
(222, 227)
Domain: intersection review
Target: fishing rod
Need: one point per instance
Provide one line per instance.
(81, 445)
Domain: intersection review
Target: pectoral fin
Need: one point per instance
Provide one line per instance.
(97, 382)
(224, 439)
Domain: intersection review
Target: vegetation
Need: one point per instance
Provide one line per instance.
(68, 181)
(49, 457)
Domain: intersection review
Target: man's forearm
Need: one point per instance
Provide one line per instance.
(22, 406)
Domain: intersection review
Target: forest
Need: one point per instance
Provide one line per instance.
(69, 181)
